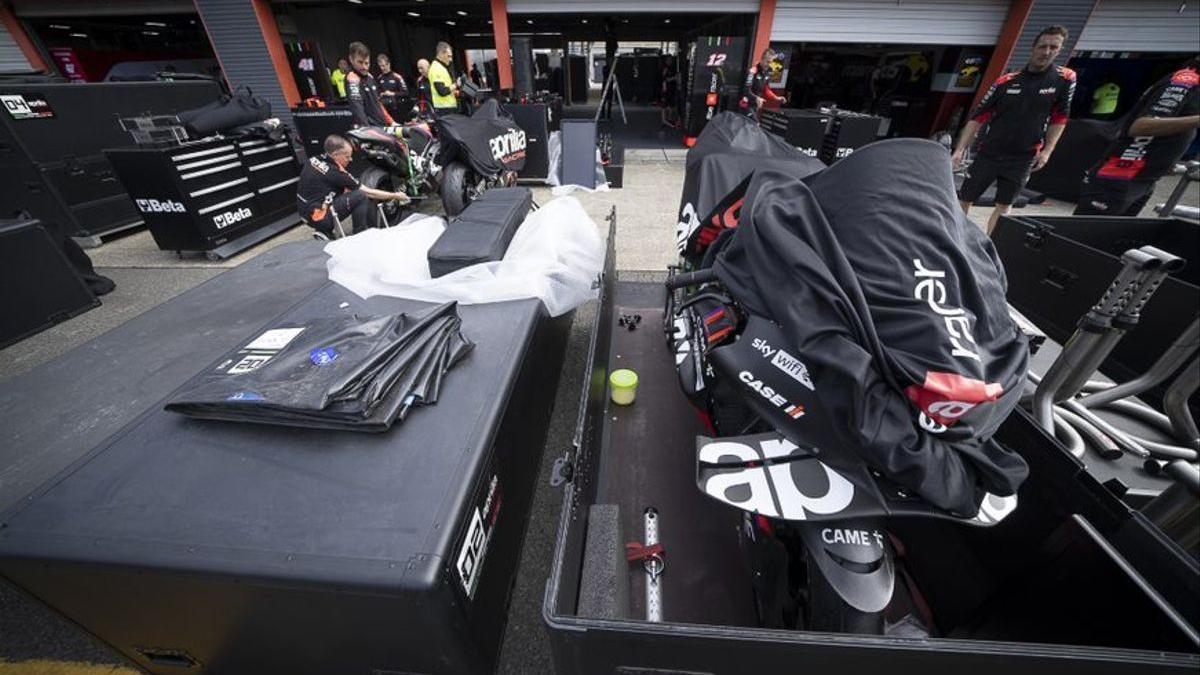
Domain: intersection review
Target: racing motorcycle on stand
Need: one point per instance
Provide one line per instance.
(851, 364)
(402, 159)
(476, 153)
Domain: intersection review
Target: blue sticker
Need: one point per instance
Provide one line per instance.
(323, 356)
(245, 396)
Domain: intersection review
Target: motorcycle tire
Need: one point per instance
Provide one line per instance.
(826, 611)
(455, 187)
(377, 178)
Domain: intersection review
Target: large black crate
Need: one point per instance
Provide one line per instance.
(314, 124)
(41, 286)
(1058, 267)
(240, 548)
(64, 176)
(537, 120)
(1073, 581)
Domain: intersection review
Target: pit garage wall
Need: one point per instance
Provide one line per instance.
(1070, 13)
(243, 47)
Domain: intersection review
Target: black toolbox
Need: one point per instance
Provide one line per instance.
(1059, 266)
(193, 546)
(219, 195)
(1072, 582)
(52, 158)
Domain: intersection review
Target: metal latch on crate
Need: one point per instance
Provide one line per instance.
(563, 470)
(1036, 237)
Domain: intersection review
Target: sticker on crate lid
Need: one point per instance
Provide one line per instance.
(275, 339)
(245, 396)
(323, 356)
(479, 534)
(27, 106)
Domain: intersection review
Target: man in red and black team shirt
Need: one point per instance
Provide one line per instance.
(363, 91)
(1022, 116)
(326, 192)
(393, 90)
(758, 86)
(1156, 133)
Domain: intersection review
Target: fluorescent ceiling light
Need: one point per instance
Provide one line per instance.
(413, 14)
(79, 35)
(60, 26)
(357, 2)
(149, 32)
(460, 13)
(451, 23)
(157, 24)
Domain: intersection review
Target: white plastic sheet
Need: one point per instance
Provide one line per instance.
(555, 256)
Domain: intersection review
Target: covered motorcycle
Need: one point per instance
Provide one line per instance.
(728, 152)
(852, 354)
(477, 152)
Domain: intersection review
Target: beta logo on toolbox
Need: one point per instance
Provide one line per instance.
(784, 361)
(509, 146)
(159, 206)
(27, 106)
(230, 217)
(479, 534)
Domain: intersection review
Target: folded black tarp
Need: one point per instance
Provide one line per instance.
(895, 302)
(349, 372)
(727, 153)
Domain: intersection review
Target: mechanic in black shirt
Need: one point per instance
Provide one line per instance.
(363, 91)
(1156, 133)
(1022, 116)
(326, 192)
(393, 90)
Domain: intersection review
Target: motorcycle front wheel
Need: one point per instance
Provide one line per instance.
(455, 186)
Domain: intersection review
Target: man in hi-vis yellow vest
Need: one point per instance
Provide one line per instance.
(442, 88)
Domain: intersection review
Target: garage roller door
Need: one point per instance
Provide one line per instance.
(633, 6)
(1142, 26)
(934, 22)
(12, 59)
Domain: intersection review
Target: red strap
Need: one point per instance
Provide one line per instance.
(636, 550)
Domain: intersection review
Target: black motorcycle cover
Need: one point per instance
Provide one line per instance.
(729, 150)
(895, 301)
(347, 372)
(489, 140)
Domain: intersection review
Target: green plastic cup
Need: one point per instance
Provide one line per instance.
(624, 384)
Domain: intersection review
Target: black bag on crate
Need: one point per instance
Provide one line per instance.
(227, 113)
(482, 232)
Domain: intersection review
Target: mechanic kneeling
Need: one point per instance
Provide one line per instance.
(327, 192)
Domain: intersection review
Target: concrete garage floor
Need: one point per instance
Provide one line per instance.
(34, 640)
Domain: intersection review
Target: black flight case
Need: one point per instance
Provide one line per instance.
(52, 141)
(194, 546)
